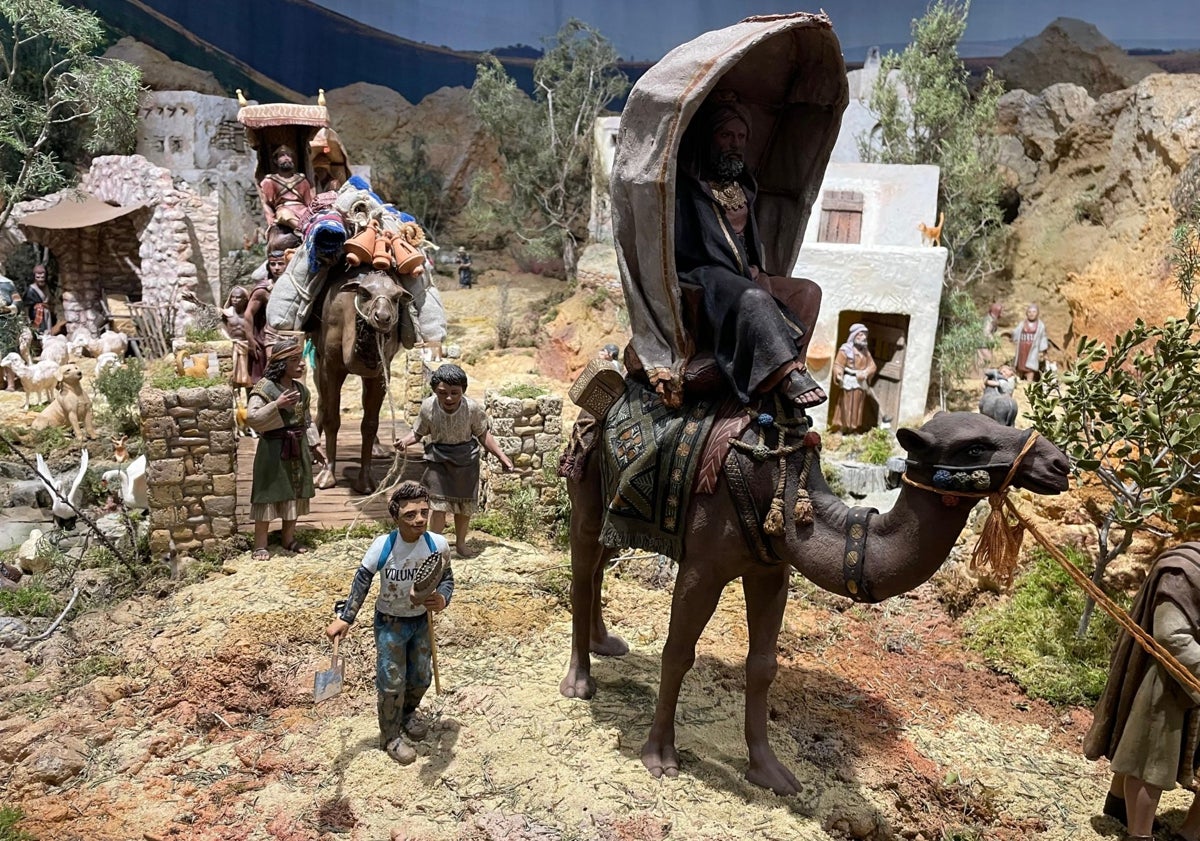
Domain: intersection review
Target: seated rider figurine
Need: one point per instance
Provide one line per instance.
(756, 339)
(286, 193)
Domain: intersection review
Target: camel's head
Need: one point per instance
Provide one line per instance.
(378, 297)
(973, 453)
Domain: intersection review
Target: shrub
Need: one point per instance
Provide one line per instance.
(875, 447)
(203, 334)
(119, 386)
(29, 601)
(1031, 636)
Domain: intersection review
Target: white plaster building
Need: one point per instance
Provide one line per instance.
(865, 250)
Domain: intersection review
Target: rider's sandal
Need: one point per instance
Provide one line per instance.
(260, 555)
(296, 547)
(799, 387)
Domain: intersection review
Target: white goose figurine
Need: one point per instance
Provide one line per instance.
(64, 514)
(134, 491)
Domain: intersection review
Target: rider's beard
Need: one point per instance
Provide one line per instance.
(286, 165)
(728, 166)
(860, 344)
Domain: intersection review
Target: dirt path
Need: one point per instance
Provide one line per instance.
(201, 726)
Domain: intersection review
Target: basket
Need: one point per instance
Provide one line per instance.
(597, 388)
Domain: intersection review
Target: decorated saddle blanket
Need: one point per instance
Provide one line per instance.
(649, 456)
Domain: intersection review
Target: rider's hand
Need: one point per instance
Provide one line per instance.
(288, 399)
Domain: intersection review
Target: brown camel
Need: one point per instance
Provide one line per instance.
(360, 308)
(903, 548)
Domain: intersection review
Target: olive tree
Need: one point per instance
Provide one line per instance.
(546, 140)
(53, 93)
(929, 113)
(1127, 415)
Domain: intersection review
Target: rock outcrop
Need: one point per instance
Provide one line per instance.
(1075, 51)
(375, 122)
(161, 73)
(1092, 240)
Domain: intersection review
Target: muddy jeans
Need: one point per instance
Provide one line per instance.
(403, 670)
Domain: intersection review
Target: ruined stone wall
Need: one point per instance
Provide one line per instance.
(176, 240)
(529, 431)
(416, 384)
(191, 447)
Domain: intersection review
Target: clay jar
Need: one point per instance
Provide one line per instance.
(409, 258)
(360, 248)
(382, 259)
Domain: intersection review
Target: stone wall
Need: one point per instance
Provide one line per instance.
(152, 254)
(416, 384)
(191, 447)
(529, 431)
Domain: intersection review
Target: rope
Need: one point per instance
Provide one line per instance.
(1000, 541)
(1143, 638)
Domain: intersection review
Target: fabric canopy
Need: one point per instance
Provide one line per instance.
(282, 114)
(788, 73)
(72, 213)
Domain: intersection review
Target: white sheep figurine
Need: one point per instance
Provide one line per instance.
(107, 360)
(40, 378)
(56, 350)
(82, 341)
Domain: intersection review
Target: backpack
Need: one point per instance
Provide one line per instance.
(390, 544)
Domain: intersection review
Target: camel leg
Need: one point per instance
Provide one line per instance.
(372, 400)
(766, 598)
(602, 642)
(587, 572)
(697, 592)
(330, 391)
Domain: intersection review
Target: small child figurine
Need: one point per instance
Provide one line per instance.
(402, 641)
(455, 426)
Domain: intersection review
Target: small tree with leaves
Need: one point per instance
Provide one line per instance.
(1128, 417)
(546, 141)
(409, 180)
(929, 114)
(54, 90)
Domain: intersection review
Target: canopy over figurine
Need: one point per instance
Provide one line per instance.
(787, 73)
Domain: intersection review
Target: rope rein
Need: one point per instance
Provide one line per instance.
(1000, 542)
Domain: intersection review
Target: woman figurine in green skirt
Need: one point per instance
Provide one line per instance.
(283, 478)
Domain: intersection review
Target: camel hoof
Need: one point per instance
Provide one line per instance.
(577, 685)
(326, 479)
(660, 760)
(609, 646)
(774, 776)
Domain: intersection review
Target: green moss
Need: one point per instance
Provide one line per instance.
(1031, 635)
(10, 816)
(522, 390)
(29, 601)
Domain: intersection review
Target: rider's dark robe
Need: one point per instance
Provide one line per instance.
(751, 333)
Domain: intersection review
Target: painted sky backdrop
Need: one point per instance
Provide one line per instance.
(644, 30)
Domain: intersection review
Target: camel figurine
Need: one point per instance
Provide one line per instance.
(358, 334)
(901, 549)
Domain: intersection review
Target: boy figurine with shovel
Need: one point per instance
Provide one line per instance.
(415, 582)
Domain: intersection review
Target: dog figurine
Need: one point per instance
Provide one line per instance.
(120, 453)
(933, 235)
(72, 407)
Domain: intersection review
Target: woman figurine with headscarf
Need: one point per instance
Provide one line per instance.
(853, 368)
(279, 412)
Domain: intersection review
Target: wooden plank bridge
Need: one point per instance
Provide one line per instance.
(339, 506)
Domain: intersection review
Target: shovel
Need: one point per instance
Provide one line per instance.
(328, 682)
